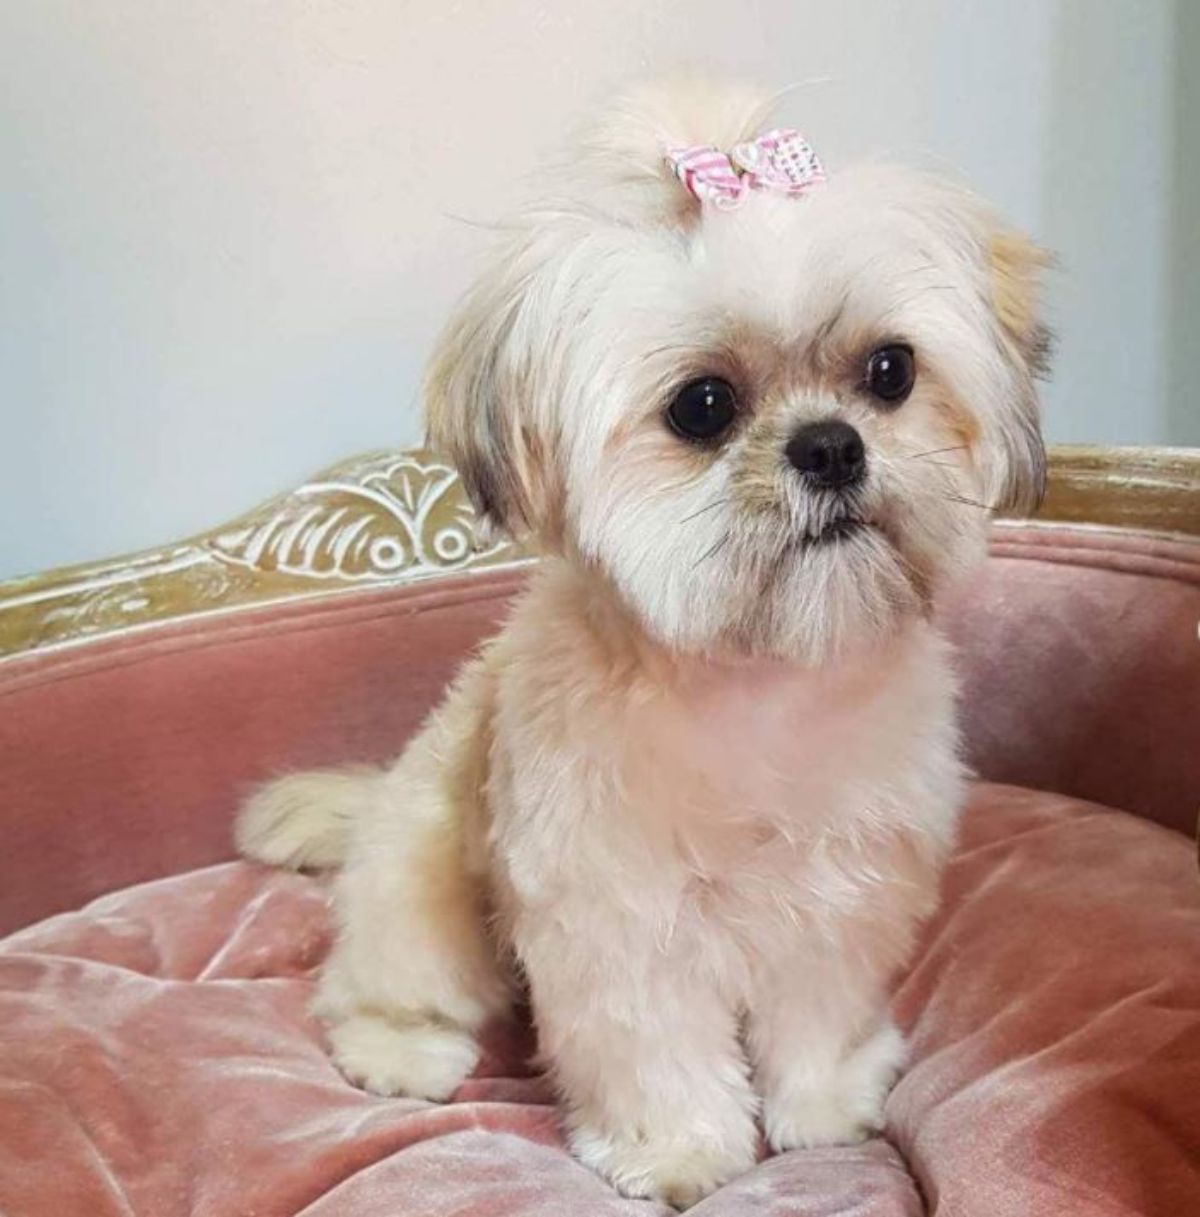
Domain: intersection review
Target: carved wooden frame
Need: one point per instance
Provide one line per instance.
(389, 518)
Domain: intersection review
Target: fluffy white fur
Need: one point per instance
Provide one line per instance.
(696, 795)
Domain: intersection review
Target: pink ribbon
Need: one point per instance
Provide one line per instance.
(780, 161)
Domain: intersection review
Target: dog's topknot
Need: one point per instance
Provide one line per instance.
(618, 155)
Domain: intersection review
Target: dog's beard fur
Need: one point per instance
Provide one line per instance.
(709, 769)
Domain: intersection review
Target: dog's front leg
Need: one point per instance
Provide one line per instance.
(820, 1036)
(646, 1056)
(824, 1048)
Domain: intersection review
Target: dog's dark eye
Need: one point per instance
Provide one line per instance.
(702, 409)
(891, 372)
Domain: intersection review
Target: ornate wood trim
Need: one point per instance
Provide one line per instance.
(391, 518)
(377, 520)
(1148, 489)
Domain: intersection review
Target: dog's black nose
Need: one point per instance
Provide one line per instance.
(829, 453)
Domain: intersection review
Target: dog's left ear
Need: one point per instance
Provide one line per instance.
(1015, 266)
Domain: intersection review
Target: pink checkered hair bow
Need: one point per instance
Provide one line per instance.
(780, 161)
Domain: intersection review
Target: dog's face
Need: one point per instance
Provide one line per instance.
(775, 430)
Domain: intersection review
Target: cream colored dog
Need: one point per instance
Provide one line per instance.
(697, 793)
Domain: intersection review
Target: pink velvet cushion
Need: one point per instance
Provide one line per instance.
(156, 1056)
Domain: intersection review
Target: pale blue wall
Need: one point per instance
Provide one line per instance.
(1183, 345)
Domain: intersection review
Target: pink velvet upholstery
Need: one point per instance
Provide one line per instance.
(155, 1053)
(1081, 667)
(153, 738)
(1079, 652)
(156, 1057)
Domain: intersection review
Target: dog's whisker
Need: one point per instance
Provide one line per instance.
(958, 498)
(667, 348)
(916, 456)
(707, 507)
(900, 306)
(712, 550)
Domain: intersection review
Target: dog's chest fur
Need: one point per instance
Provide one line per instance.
(714, 810)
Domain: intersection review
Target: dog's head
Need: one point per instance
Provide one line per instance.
(775, 428)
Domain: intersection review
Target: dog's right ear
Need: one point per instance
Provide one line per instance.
(479, 400)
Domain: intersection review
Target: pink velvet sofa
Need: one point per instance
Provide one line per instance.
(156, 1055)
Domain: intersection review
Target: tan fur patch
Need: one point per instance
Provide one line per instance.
(1016, 265)
(960, 421)
(755, 481)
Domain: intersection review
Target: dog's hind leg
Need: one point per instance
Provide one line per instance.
(414, 970)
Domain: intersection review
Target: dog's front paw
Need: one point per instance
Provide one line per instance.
(676, 1170)
(842, 1109)
(817, 1116)
(423, 1061)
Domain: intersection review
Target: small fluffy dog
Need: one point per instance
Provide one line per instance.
(696, 795)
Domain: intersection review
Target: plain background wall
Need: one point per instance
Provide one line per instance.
(1183, 243)
(230, 230)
